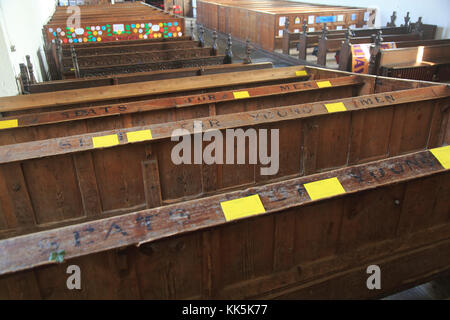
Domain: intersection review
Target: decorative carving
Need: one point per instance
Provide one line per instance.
(393, 18)
(374, 50)
(201, 39)
(228, 52)
(156, 66)
(150, 48)
(30, 70)
(24, 77)
(122, 59)
(418, 27)
(407, 20)
(214, 45)
(378, 38)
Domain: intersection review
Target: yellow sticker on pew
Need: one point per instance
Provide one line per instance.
(241, 95)
(324, 188)
(138, 136)
(442, 155)
(335, 107)
(323, 84)
(7, 124)
(301, 73)
(105, 141)
(243, 207)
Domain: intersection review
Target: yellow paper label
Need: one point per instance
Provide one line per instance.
(442, 155)
(323, 84)
(6, 124)
(324, 188)
(335, 107)
(243, 207)
(241, 94)
(301, 73)
(138, 136)
(105, 141)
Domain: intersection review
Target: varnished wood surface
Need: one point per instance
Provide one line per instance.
(306, 132)
(259, 21)
(133, 221)
(72, 84)
(150, 110)
(143, 88)
(323, 250)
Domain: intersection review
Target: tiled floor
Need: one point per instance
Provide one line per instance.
(437, 289)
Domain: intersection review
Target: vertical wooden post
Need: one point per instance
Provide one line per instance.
(201, 39)
(407, 22)
(418, 28)
(87, 183)
(302, 45)
(375, 52)
(152, 183)
(24, 77)
(30, 70)
(228, 52)
(393, 18)
(214, 45)
(345, 52)
(286, 41)
(322, 53)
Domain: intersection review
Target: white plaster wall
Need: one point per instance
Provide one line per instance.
(8, 85)
(22, 22)
(432, 11)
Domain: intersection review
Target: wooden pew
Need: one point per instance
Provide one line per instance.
(332, 45)
(57, 51)
(140, 57)
(406, 63)
(262, 22)
(113, 23)
(345, 53)
(165, 56)
(131, 48)
(71, 179)
(307, 39)
(305, 249)
(47, 165)
(303, 41)
(71, 121)
(72, 84)
(89, 201)
(153, 66)
(156, 89)
(109, 24)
